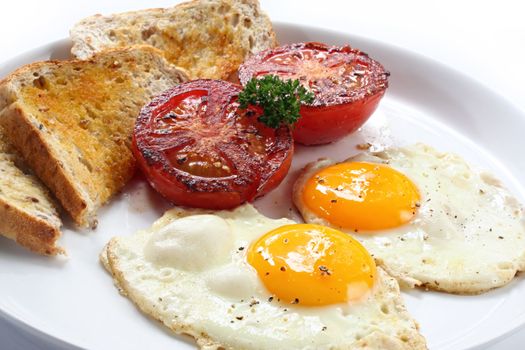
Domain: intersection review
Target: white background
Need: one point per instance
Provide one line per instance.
(483, 39)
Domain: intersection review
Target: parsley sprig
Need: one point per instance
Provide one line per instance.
(280, 100)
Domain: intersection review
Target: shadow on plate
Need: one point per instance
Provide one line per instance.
(9, 249)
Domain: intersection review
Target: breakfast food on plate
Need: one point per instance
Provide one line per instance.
(346, 83)
(72, 121)
(27, 212)
(427, 217)
(235, 279)
(209, 38)
(239, 280)
(198, 148)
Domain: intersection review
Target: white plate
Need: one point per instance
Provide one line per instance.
(74, 302)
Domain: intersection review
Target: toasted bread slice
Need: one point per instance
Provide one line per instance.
(72, 121)
(209, 38)
(27, 211)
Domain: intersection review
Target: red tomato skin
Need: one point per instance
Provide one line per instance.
(326, 120)
(279, 175)
(324, 124)
(183, 195)
(182, 188)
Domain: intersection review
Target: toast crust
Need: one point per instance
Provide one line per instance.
(34, 233)
(28, 214)
(209, 38)
(72, 121)
(37, 152)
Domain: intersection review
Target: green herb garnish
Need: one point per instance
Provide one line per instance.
(280, 100)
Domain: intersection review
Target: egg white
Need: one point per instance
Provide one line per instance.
(467, 237)
(222, 303)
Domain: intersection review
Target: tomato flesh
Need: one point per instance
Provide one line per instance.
(198, 149)
(346, 83)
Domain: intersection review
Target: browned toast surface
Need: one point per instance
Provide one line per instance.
(72, 121)
(209, 38)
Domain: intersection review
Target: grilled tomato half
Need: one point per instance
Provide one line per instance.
(346, 83)
(198, 149)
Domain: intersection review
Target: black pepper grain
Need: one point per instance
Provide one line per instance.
(324, 270)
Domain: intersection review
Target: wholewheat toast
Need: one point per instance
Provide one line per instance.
(209, 38)
(28, 214)
(72, 121)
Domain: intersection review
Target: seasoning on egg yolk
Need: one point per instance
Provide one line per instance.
(312, 265)
(361, 196)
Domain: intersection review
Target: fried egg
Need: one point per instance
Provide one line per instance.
(239, 280)
(427, 217)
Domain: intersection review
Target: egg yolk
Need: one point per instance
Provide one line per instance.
(361, 196)
(312, 265)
